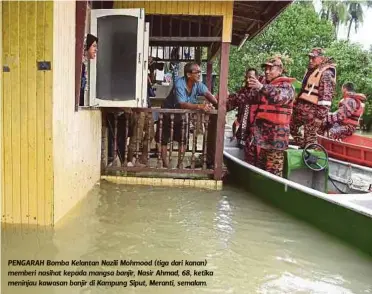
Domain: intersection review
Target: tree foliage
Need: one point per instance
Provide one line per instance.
(293, 34)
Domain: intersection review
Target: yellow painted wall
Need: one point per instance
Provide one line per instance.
(216, 8)
(1, 111)
(27, 165)
(76, 135)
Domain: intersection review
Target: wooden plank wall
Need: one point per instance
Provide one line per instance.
(76, 134)
(1, 110)
(27, 165)
(213, 8)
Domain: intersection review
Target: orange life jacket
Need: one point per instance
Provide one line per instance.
(357, 114)
(276, 113)
(310, 91)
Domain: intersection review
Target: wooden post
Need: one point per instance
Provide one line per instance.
(104, 147)
(209, 75)
(212, 126)
(221, 115)
(81, 10)
(198, 55)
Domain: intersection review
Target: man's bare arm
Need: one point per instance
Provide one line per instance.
(185, 105)
(211, 98)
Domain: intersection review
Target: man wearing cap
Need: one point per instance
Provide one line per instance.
(315, 98)
(271, 125)
(343, 122)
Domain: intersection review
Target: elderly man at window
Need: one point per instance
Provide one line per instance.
(184, 95)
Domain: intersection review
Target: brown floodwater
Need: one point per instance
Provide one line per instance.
(249, 247)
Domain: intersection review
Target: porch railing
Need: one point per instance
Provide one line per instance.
(132, 140)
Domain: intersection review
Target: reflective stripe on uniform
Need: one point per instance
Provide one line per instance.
(325, 103)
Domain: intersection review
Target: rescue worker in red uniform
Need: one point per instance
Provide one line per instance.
(315, 98)
(271, 123)
(345, 120)
(243, 100)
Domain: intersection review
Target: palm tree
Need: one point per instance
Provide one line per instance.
(335, 11)
(344, 12)
(355, 10)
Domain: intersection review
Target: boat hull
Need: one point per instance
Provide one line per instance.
(350, 225)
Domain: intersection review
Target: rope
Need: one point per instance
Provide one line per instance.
(342, 192)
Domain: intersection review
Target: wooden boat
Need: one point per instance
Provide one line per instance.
(336, 199)
(355, 149)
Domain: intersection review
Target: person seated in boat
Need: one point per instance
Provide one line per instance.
(271, 124)
(343, 122)
(184, 95)
(244, 100)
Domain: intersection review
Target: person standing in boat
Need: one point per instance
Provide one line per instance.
(315, 98)
(244, 100)
(271, 125)
(343, 122)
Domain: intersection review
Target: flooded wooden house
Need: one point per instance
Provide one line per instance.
(55, 148)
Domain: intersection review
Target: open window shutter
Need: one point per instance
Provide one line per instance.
(145, 64)
(116, 74)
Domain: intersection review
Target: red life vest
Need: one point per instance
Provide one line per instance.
(252, 113)
(253, 107)
(276, 113)
(356, 115)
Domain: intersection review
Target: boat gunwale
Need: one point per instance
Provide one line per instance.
(338, 199)
(346, 143)
(343, 156)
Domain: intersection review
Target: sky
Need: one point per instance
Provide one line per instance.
(364, 33)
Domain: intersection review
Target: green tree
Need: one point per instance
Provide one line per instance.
(293, 33)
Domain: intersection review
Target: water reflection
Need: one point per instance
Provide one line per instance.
(223, 222)
(290, 283)
(250, 247)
